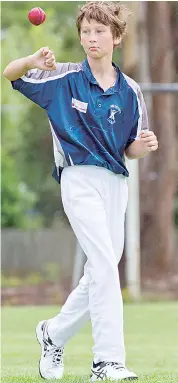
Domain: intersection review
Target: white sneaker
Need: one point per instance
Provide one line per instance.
(51, 362)
(110, 370)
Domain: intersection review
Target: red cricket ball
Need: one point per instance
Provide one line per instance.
(37, 16)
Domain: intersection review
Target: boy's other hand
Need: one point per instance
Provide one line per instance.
(43, 59)
(149, 140)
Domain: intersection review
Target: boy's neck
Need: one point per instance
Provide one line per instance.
(101, 67)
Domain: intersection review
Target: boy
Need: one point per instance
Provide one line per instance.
(97, 115)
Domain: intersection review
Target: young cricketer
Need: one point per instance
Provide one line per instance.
(97, 116)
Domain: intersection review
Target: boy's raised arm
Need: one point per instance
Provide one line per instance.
(18, 68)
(42, 59)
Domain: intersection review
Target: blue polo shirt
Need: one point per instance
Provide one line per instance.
(89, 126)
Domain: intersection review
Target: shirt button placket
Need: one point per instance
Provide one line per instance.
(98, 107)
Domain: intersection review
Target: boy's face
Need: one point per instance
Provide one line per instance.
(97, 39)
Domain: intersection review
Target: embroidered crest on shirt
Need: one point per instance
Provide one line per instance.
(79, 105)
(114, 109)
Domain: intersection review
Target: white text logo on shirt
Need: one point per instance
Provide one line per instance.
(79, 105)
(114, 109)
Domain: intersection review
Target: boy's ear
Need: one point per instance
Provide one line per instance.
(117, 40)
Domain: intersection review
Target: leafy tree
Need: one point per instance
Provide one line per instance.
(16, 198)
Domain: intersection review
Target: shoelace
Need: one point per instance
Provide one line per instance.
(55, 352)
(57, 356)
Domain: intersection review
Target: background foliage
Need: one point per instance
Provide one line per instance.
(29, 194)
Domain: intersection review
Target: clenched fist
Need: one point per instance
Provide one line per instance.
(149, 140)
(43, 59)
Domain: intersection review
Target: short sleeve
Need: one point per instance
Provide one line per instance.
(41, 92)
(144, 124)
(41, 86)
(140, 121)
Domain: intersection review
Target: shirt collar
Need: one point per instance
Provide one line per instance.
(91, 78)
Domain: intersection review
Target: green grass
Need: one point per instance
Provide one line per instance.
(151, 336)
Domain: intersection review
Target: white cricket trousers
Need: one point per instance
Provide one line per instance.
(95, 201)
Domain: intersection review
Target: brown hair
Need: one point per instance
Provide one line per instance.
(104, 12)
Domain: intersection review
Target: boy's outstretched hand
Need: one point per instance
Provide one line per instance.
(43, 59)
(149, 140)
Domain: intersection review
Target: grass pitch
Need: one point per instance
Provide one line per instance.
(151, 336)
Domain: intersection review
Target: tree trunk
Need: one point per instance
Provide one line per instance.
(158, 179)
